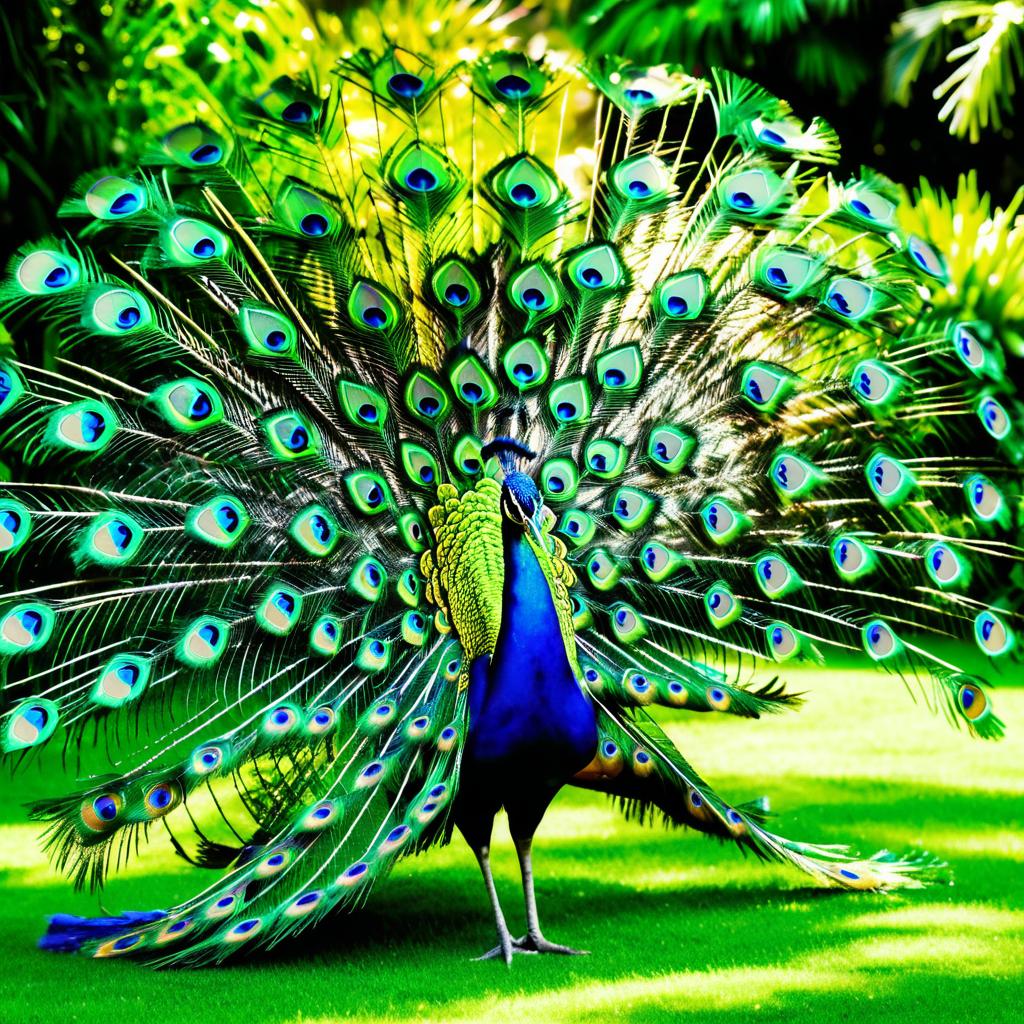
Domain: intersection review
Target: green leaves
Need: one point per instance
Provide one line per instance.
(979, 89)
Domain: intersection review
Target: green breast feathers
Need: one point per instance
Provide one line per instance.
(465, 571)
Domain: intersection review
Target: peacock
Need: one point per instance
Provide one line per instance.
(380, 454)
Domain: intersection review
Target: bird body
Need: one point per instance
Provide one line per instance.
(380, 454)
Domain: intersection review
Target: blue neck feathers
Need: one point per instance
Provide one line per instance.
(527, 697)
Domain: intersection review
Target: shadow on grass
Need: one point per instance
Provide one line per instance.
(738, 936)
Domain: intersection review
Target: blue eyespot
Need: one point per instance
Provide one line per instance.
(456, 294)
(204, 248)
(298, 112)
(513, 87)
(405, 85)
(314, 224)
(106, 808)
(419, 179)
(374, 316)
(125, 203)
(523, 194)
(207, 153)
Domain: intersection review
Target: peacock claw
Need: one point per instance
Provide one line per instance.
(538, 944)
(530, 945)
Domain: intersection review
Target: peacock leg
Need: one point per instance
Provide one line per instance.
(533, 941)
(506, 945)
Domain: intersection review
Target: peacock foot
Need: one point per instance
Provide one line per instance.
(529, 944)
(538, 944)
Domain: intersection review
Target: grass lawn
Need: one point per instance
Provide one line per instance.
(678, 926)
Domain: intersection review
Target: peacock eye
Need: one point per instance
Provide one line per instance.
(606, 459)
(279, 609)
(984, 499)
(372, 308)
(924, 256)
(783, 641)
(113, 538)
(765, 386)
(596, 269)
(524, 184)
(87, 426)
(114, 198)
(189, 242)
(280, 721)
(368, 491)
(367, 579)
(162, 798)
(889, 479)
(992, 634)
(203, 642)
(425, 397)
(374, 655)
(32, 722)
(752, 193)
(946, 566)
(526, 364)
(188, 404)
(603, 570)
(102, 812)
(113, 311)
(793, 475)
(315, 530)
(15, 526)
(722, 522)
(267, 332)
(207, 759)
(968, 348)
(641, 179)
(405, 86)
(682, 296)
(851, 299)
(569, 401)
(194, 146)
(325, 636)
(994, 418)
(852, 558)
(559, 479)
(420, 170)
(472, 384)
(880, 641)
(46, 270)
(292, 436)
(468, 457)
(869, 206)
(534, 291)
(721, 605)
(788, 271)
(12, 387)
(26, 627)
(775, 576)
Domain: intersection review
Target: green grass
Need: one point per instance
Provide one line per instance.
(678, 926)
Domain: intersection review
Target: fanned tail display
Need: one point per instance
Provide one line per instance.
(253, 540)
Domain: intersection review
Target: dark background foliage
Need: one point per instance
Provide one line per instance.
(74, 75)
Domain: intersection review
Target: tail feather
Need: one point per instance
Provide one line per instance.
(639, 767)
(67, 933)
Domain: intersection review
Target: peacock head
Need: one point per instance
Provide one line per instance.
(521, 501)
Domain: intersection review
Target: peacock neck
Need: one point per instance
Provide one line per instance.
(529, 622)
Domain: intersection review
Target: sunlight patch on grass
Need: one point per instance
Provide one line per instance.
(693, 991)
(965, 917)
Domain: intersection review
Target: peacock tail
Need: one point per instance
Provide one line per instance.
(252, 536)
